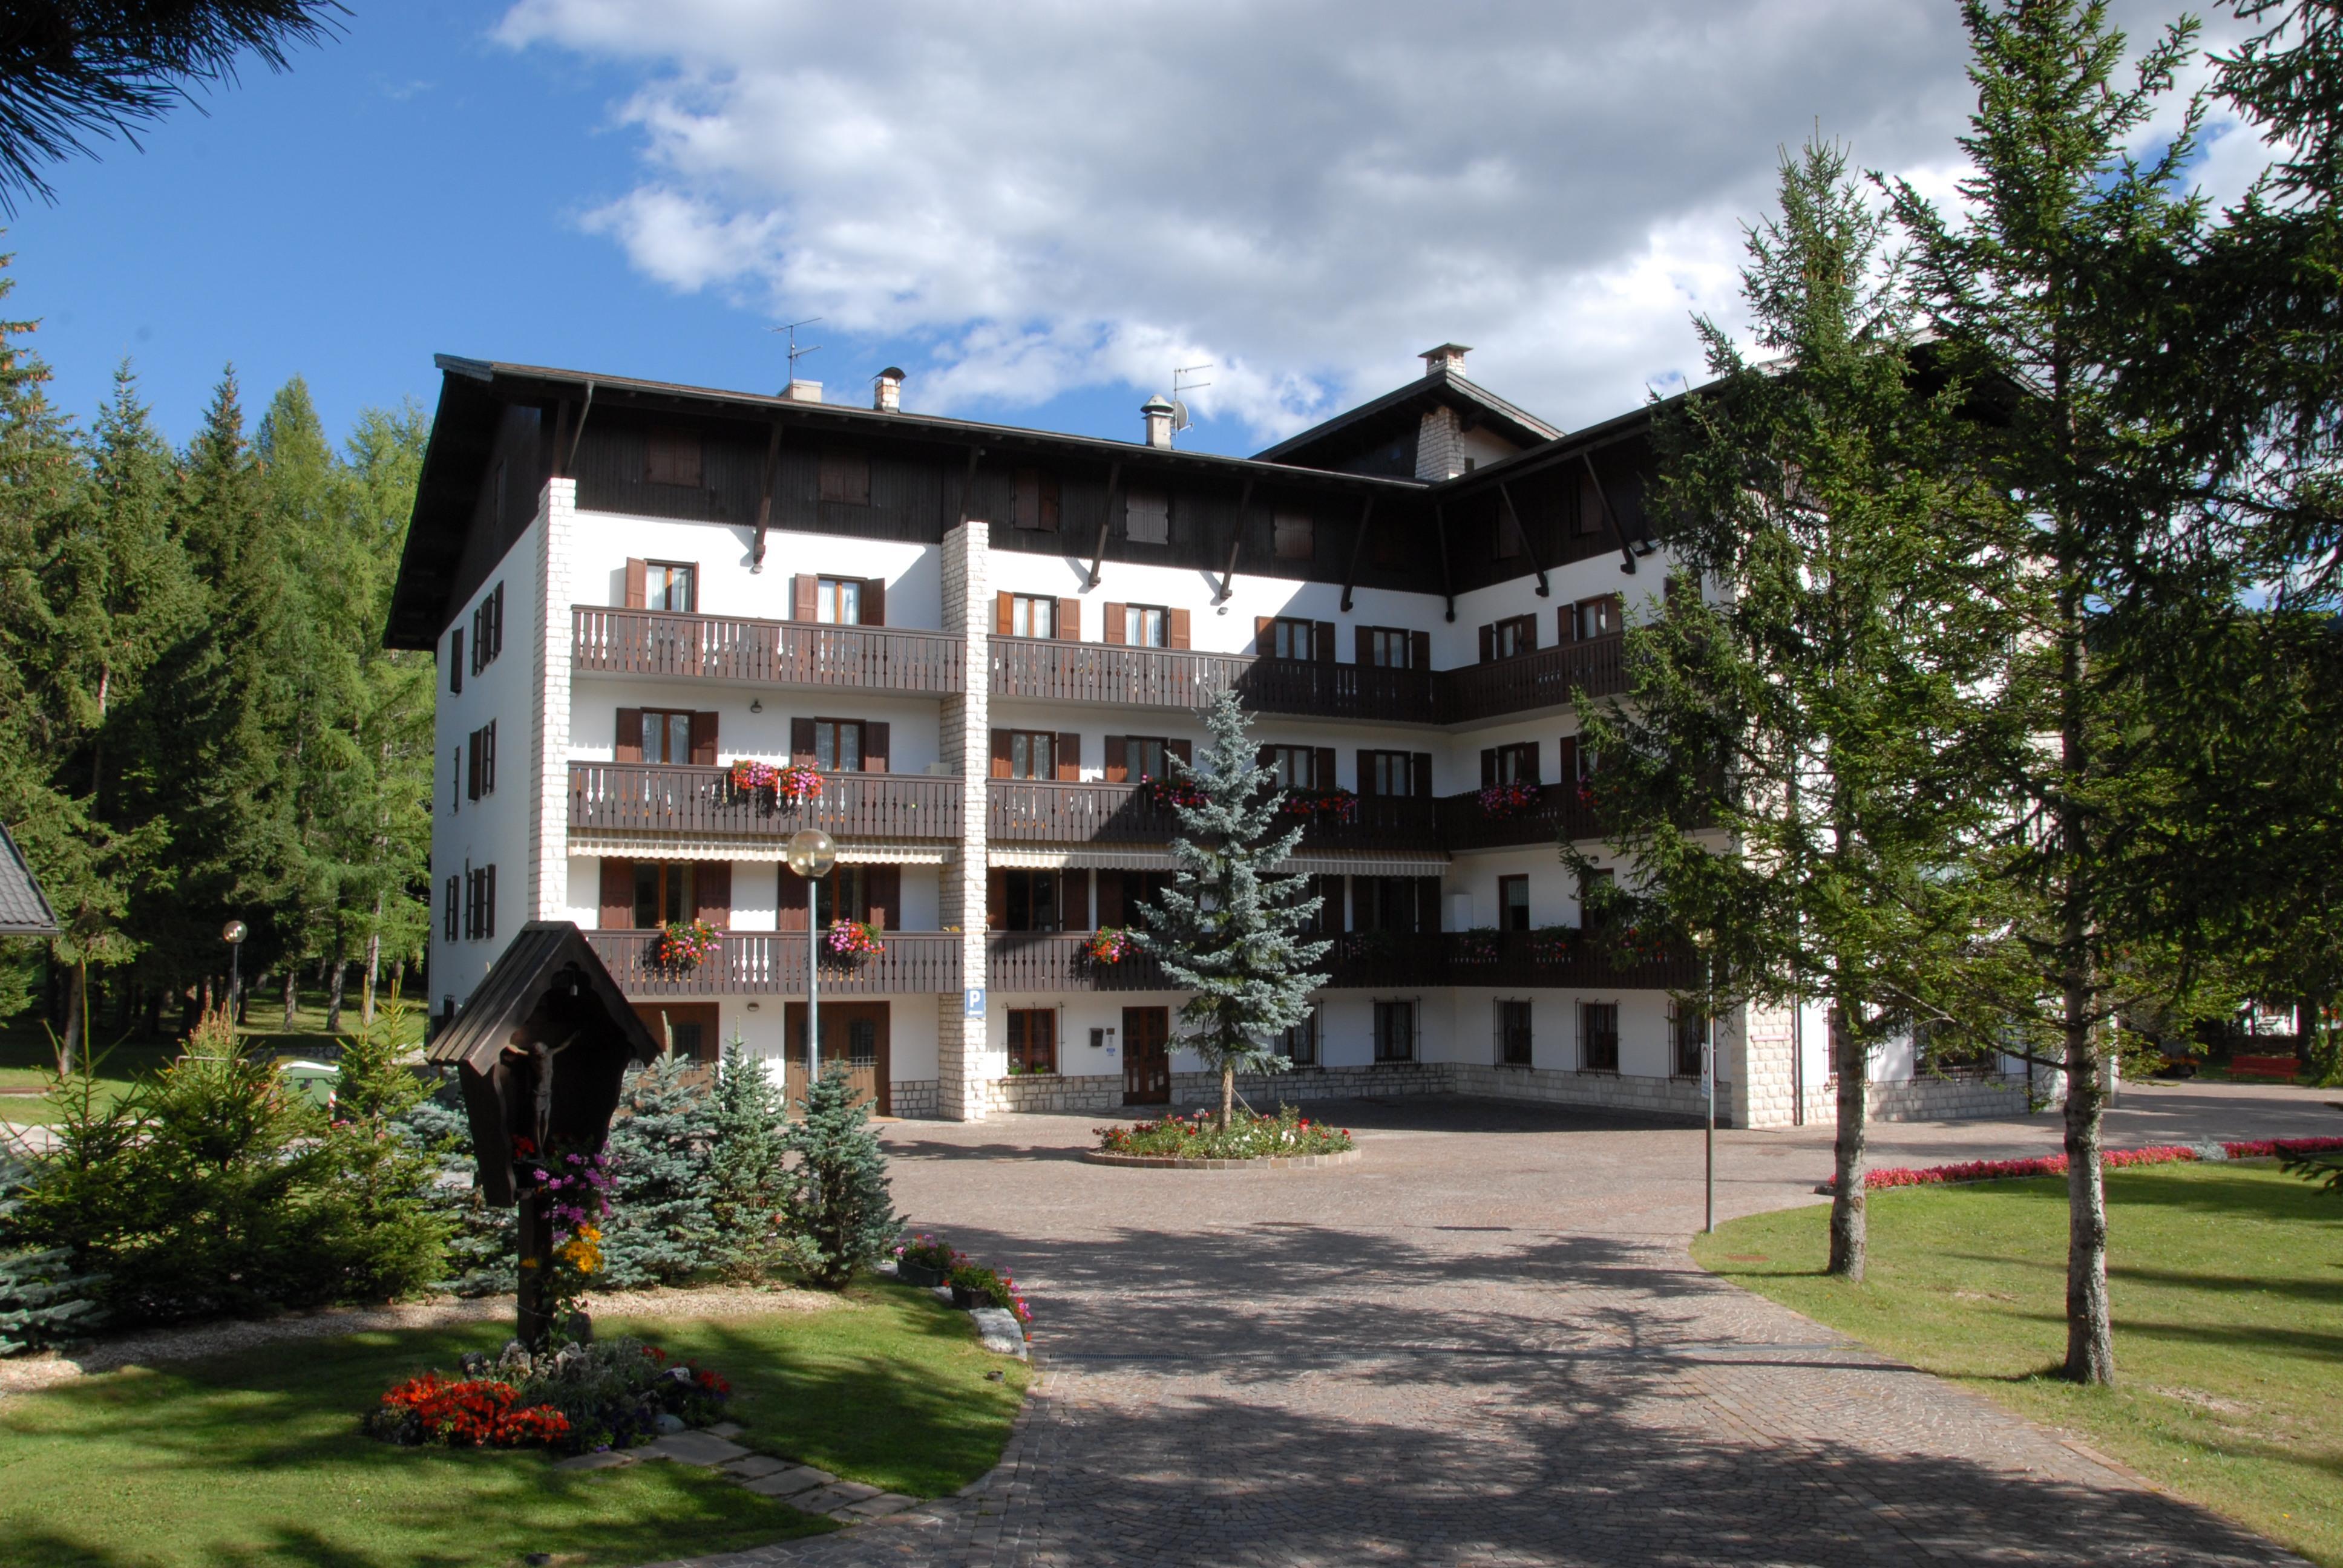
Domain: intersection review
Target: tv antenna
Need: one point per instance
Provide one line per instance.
(1179, 420)
(797, 353)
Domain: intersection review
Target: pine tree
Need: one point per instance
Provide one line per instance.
(748, 1168)
(390, 1238)
(43, 1299)
(660, 1230)
(1825, 718)
(840, 1206)
(1229, 928)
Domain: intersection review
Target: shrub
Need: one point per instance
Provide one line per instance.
(661, 1229)
(43, 1301)
(1247, 1136)
(840, 1208)
(748, 1169)
(483, 1243)
(927, 1252)
(2112, 1159)
(390, 1234)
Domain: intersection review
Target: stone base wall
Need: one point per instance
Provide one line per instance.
(914, 1097)
(1048, 1092)
(1670, 1097)
(1943, 1099)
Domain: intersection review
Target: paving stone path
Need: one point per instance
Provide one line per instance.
(1484, 1345)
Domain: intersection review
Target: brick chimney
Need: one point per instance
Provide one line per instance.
(887, 393)
(1448, 358)
(1158, 411)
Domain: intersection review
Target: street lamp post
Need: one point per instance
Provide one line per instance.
(810, 854)
(233, 934)
(1701, 939)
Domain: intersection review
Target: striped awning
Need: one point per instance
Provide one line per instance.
(1148, 859)
(689, 847)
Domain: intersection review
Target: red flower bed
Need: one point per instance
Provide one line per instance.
(475, 1413)
(2055, 1164)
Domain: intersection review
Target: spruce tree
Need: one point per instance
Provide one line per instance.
(391, 1238)
(1229, 928)
(44, 1299)
(748, 1168)
(660, 1230)
(840, 1206)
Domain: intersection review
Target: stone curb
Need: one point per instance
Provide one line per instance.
(1175, 1162)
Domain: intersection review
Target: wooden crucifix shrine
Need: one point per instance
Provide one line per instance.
(539, 1049)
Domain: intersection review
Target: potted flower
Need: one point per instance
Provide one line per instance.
(1502, 800)
(1334, 805)
(851, 942)
(1477, 946)
(797, 783)
(1163, 794)
(683, 946)
(1108, 946)
(924, 1261)
(1553, 944)
(752, 778)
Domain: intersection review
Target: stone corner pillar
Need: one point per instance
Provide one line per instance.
(549, 806)
(964, 1059)
(1755, 1049)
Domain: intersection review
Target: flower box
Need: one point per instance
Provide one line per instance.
(1499, 802)
(683, 946)
(1107, 946)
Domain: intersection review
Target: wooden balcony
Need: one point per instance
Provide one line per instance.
(1024, 962)
(1550, 678)
(773, 963)
(1559, 812)
(764, 652)
(1167, 677)
(1385, 961)
(670, 798)
(1031, 811)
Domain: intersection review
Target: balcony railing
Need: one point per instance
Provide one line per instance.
(1167, 677)
(775, 652)
(670, 798)
(1560, 812)
(765, 963)
(1550, 678)
(1341, 691)
(1033, 811)
(1390, 959)
(1018, 961)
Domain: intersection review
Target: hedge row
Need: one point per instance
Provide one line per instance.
(2113, 1159)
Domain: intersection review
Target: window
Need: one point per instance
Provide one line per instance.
(1593, 887)
(671, 456)
(1147, 518)
(670, 588)
(1031, 615)
(837, 601)
(663, 893)
(1035, 502)
(837, 745)
(1513, 903)
(1293, 638)
(1388, 773)
(1146, 626)
(488, 630)
(1578, 765)
(1513, 764)
(667, 735)
(481, 761)
(1033, 1039)
(846, 476)
(480, 903)
(1296, 766)
(1032, 754)
(1513, 1033)
(1143, 756)
(1514, 636)
(1298, 1043)
(447, 916)
(1689, 1029)
(1594, 617)
(1032, 900)
(1293, 537)
(456, 661)
(1394, 1031)
(1598, 1037)
(1387, 647)
(843, 895)
(1385, 903)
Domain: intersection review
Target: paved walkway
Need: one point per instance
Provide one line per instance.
(1484, 1345)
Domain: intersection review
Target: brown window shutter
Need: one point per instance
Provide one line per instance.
(638, 588)
(874, 602)
(1422, 768)
(1488, 766)
(1025, 508)
(789, 901)
(1076, 882)
(1419, 650)
(1000, 754)
(1321, 769)
(996, 898)
(1070, 757)
(1264, 755)
(876, 747)
(1004, 613)
(618, 894)
(1264, 634)
(1113, 632)
(884, 885)
(1568, 773)
(1366, 771)
(1179, 633)
(1564, 631)
(1069, 620)
(1323, 642)
(1427, 903)
(802, 592)
(630, 745)
(1362, 645)
(472, 766)
(1110, 899)
(1488, 643)
(1117, 761)
(703, 738)
(801, 742)
(711, 889)
(1185, 751)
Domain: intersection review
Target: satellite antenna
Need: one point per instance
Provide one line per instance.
(1179, 420)
(797, 353)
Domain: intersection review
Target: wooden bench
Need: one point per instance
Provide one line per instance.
(2280, 1066)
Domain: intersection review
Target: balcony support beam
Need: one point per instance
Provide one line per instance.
(1357, 551)
(765, 498)
(1106, 521)
(1619, 534)
(1236, 541)
(1505, 494)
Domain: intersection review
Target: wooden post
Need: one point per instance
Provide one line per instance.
(535, 1325)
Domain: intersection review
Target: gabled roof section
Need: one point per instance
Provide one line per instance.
(1399, 410)
(23, 910)
(543, 956)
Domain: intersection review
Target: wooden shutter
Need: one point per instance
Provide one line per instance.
(1422, 770)
(1264, 634)
(1179, 623)
(618, 893)
(1366, 771)
(456, 661)
(638, 588)
(1075, 896)
(996, 898)
(703, 738)
(472, 766)
(1427, 903)
(1321, 642)
(790, 902)
(876, 747)
(1419, 650)
(1069, 620)
(1004, 613)
(1000, 754)
(629, 744)
(1565, 628)
(802, 597)
(1111, 911)
(1568, 773)
(874, 602)
(711, 889)
(1070, 757)
(1363, 644)
(1488, 766)
(801, 742)
(1321, 769)
(1113, 632)
(883, 885)
(1117, 761)
(1025, 501)
(1185, 751)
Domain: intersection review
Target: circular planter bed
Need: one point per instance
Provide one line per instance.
(1263, 1162)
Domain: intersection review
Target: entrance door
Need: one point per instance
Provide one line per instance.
(686, 1028)
(1146, 1056)
(854, 1033)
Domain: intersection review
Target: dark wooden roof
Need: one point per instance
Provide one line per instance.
(541, 955)
(1401, 410)
(23, 910)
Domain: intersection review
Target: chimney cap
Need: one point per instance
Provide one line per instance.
(891, 373)
(1447, 356)
(1159, 403)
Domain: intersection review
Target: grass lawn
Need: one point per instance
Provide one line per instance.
(2227, 1283)
(254, 1460)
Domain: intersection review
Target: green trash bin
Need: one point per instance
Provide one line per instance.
(312, 1079)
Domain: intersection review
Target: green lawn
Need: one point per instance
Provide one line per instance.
(254, 1460)
(2228, 1282)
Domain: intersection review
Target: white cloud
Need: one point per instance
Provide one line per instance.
(1053, 194)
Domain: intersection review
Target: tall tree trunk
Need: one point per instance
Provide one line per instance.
(397, 979)
(1228, 1093)
(373, 964)
(2090, 1329)
(292, 994)
(334, 997)
(1850, 1236)
(69, 1039)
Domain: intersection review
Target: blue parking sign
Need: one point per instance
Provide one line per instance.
(972, 1002)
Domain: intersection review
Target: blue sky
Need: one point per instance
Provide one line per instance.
(1038, 207)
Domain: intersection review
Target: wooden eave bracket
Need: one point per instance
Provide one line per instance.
(569, 463)
(1236, 542)
(1106, 521)
(1546, 590)
(765, 498)
(1358, 549)
(1626, 555)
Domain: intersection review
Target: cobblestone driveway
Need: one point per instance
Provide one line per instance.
(1485, 1344)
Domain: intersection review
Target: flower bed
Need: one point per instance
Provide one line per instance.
(2112, 1159)
(580, 1398)
(974, 1284)
(1247, 1136)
